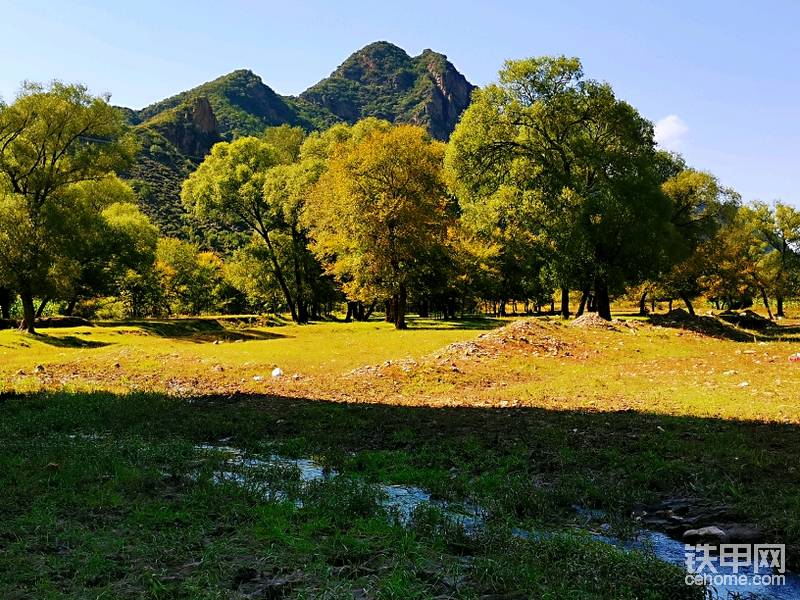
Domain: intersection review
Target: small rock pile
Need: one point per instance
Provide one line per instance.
(525, 335)
(594, 321)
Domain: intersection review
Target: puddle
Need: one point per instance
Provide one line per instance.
(402, 501)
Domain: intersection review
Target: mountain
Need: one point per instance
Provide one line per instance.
(380, 80)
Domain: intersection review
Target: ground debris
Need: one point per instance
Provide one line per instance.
(526, 335)
(594, 321)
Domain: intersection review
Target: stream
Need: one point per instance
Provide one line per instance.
(403, 500)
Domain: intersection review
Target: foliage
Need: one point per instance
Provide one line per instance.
(52, 140)
(380, 214)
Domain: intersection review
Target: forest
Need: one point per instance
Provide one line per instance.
(550, 185)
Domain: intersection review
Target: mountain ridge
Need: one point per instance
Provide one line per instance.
(379, 80)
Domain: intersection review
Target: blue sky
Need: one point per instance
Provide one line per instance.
(720, 79)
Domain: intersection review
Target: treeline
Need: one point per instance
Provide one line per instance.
(550, 183)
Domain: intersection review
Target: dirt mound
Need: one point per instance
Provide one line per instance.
(702, 325)
(747, 319)
(593, 321)
(527, 335)
(405, 365)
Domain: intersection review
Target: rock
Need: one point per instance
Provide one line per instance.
(52, 466)
(744, 384)
(117, 366)
(712, 533)
(744, 534)
(38, 369)
(593, 321)
(277, 372)
(258, 378)
(218, 368)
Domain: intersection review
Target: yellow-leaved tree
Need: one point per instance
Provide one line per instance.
(379, 213)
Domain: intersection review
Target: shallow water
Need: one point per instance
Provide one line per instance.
(404, 500)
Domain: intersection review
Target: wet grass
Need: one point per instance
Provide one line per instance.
(107, 496)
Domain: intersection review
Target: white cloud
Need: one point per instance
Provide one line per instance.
(671, 132)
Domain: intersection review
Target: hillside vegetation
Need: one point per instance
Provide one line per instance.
(380, 80)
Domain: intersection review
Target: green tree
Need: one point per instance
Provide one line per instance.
(51, 139)
(380, 211)
(191, 280)
(779, 228)
(578, 161)
(700, 207)
(229, 186)
(257, 183)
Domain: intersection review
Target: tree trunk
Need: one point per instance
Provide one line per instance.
(565, 302)
(670, 305)
(364, 316)
(643, 305)
(582, 305)
(6, 298)
(302, 311)
(451, 307)
(302, 307)
(390, 310)
(778, 307)
(766, 303)
(400, 308)
(70, 307)
(602, 300)
(349, 316)
(276, 269)
(28, 313)
(42, 304)
(424, 308)
(688, 304)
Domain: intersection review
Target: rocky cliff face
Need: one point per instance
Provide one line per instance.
(450, 95)
(382, 80)
(193, 128)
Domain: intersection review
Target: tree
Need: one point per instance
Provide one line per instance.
(229, 186)
(578, 161)
(51, 139)
(779, 228)
(379, 212)
(258, 183)
(700, 207)
(191, 280)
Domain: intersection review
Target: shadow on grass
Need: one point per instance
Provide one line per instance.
(117, 471)
(466, 324)
(203, 330)
(535, 462)
(68, 341)
(728, 327)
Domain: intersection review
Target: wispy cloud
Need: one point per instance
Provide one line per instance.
(671, 133)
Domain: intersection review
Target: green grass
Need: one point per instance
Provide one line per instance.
(105, 496)
(151, 352)
(134, 512)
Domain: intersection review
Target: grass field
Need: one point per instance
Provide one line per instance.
(105, 493)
